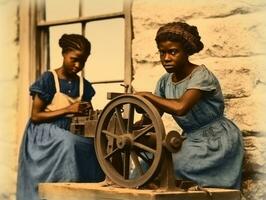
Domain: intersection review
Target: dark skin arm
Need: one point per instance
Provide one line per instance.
(38, 113)
(179, 106)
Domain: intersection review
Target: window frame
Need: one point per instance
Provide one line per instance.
(34, 47)
(42, 38)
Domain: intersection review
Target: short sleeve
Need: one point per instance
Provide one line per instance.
(160, 87)
(89, 91)
(202, 79)
(44, 87)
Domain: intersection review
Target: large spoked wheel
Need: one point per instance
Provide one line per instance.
(129, 152)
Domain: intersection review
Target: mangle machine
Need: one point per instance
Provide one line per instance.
(131, 155)
(135, 157)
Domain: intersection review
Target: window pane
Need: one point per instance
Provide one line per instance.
(96, 7)
(61, 9)
(100, 99)
(55, 34)
(106, 61)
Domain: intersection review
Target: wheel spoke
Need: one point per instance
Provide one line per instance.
(136, 162)
(111, 153)
(130, 118)
(144, 147)
(144, 131)
(110, 134)
(120, 120)
(126, 164)
(111, 129)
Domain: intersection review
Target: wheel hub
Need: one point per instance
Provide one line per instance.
(124, 141)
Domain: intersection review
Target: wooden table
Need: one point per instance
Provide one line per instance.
(98, 191)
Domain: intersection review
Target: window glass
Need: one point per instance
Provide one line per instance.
(55, 34)
(61, 9)
(97, 7)
(100, 99)
(106, 61)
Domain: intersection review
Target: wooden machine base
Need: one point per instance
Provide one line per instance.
(97, 191)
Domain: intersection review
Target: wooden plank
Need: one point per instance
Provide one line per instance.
(112, 95)
(80, 19)
(128, 74)
(27, 62)
(107, 81)
(98, 191)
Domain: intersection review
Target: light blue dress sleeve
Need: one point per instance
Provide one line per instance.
(160, 87)
(202, 79)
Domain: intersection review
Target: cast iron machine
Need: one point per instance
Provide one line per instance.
(131, 154)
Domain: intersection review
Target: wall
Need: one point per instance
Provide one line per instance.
(8, 100)
(234, 34)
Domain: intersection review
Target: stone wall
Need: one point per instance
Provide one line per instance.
(234, 34)
(8, 100)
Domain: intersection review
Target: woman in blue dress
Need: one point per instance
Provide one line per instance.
(212, 153)
(49, 152)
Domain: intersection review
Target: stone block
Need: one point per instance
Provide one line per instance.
(254, 189)
(144, 47)
(248, 113)
(9, 40)
(10, 89)
(234, 36)
(255, 155)
(8, 126)
(227, 29)
(183, 9)
(7, 171)
(146, 76)
(8, 106)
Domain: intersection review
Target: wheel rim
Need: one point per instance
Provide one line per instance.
(122, 150)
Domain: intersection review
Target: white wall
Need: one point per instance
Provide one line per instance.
(8, 100)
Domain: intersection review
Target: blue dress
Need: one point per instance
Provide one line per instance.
(49, 152)
(212, 153)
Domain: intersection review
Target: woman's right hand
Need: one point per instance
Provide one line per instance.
(81, 108)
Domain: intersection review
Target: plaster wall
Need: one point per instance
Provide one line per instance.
(8, 101)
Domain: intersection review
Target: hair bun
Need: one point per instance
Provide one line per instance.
(181, 32)
(75, 41)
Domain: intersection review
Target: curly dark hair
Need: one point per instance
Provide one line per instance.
(183, 33)
(69, 42)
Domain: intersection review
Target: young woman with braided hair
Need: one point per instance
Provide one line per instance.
(49, 152)
(212, 153)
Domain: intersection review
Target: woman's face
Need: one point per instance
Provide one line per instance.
(172, 56)
(74, 61)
